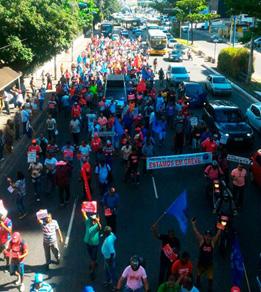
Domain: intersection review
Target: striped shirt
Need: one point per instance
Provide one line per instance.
(49, 231)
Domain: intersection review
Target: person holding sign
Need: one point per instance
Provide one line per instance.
(92, 239)
(169, 251)
(50, 228)
(110, 202)
(19, 189)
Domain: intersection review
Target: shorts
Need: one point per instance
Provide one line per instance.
(17, 267)
(207, 270)
(93, 252)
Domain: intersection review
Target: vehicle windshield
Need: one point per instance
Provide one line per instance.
(219, 80)
(178, 70)
(228, 116)
(194, 89)
(158, 43)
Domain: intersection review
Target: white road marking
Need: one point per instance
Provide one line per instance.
(66, 242)
(155, 188)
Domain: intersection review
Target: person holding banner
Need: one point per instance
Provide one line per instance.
(170, 248)
(92, 239)
(205, 259)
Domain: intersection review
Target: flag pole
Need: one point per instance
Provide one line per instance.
(247, 281)
(159, 219)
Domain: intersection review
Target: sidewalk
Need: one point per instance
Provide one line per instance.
(66, 57)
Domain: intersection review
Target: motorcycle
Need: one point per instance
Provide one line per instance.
(225, 207)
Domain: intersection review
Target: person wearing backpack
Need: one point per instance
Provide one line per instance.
(103, 174)
(16, 251)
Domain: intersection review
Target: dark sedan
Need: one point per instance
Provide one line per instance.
(195, 93)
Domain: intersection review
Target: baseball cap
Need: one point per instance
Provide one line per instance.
(38, 278)
(235, 289)
(94, 216)
(34, 141)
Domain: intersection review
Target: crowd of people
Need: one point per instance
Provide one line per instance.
(102, 130)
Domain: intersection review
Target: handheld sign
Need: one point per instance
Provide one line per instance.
(107, 212)
(89, 206)
(10, 189)
(31, 157)
(3, 210)
(41, 214)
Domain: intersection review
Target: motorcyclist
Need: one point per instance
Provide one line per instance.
(212, 172)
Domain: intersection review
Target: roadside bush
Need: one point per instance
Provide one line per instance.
(233, 62)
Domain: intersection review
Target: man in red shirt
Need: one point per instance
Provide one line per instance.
(182, 266)
(86, 174)
(34, 147)
(5, 232)
(76, 111)
(209, 145)
(96, 145)
(17, 250)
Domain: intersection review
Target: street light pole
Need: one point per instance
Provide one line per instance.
(215, 49)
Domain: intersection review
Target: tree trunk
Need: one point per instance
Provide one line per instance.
(250, 61)
(192, 34)
(180, 29)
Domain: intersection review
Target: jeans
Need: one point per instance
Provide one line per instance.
(65, 189)
(110, 271)
(37, 186)
(7, 107)
(50, 184)
(48, 247)
(1, 151)
(41, 104)
(238, 194)
(20, 204)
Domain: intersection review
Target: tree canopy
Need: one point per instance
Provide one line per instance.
(33, 31)
(250, 7)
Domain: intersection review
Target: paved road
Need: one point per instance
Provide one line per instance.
(138, 210)
(201, 40)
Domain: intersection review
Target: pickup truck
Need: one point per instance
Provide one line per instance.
(115, 89)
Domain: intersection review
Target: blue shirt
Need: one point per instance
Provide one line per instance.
(107, 248)
(110, 201)
(45, 287)
(66, 101)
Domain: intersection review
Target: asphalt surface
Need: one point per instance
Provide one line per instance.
(138, 210)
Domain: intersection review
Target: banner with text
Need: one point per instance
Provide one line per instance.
(178, 160)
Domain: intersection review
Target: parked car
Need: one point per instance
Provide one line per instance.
(226, 119)
(175, 56)
(195, 93)
(171, 42)
(178, 74)
(253, 115)
(257, 42)
(180, 47)
(218, 84)
(255, 168)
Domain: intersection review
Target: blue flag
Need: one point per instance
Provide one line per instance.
(178, 209)
(118, 127)
(237, 263)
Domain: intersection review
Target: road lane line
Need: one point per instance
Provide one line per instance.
(155, 188)
(66, 242)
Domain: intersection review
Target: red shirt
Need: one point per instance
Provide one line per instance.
(178, 268)
(209, 146)
(96, 144)
(34, 148)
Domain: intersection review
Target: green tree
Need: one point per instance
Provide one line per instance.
(192, 11)
(250, 7)
(107, 8)
(33, 31)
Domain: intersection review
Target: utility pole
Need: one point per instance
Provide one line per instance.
(234, 30)
(250, 60)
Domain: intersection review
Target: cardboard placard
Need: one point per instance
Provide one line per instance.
(41, 214)
(89, 206)
(169, 253)
(31, 157)
(107, 212)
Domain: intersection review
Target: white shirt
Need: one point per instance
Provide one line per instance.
(75, 126)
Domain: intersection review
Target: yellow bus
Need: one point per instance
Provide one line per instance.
(157, 41)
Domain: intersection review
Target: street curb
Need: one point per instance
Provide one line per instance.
(237, 87)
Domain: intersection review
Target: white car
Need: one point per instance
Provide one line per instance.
(171, 43)
(218, 85)
(253, 115)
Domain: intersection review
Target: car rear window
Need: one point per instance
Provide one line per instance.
(219, 80)
(178, 70)
(228, 116)
(194, 89)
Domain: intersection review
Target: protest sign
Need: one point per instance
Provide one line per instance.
(238, 159)
(192, 159)
(41, 214)
(89, 206)
(31, 157)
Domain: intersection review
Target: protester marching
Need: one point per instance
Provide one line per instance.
(103, 133)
